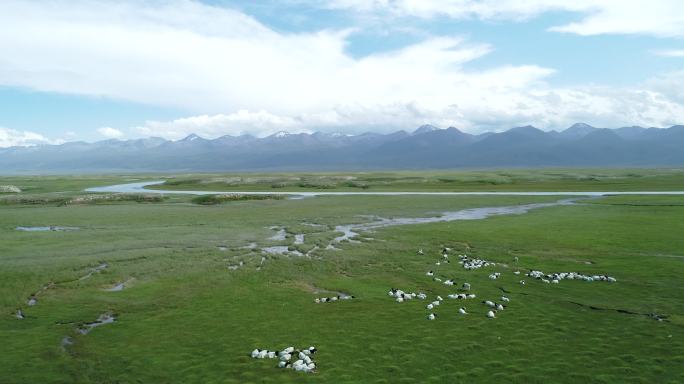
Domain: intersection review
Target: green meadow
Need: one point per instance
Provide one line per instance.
(200, 293)
(438, 181)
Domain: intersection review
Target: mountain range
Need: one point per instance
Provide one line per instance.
(580, 145)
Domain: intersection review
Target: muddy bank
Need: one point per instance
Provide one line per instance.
(352, 231)
(50, 228)
(105, 318)
(97, 269)
(281, 250)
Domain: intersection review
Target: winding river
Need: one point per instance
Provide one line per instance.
(141, 187)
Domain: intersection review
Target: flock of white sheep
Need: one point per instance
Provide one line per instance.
(332, 299)
(304, 358)
(555, 278)
(305, 363)
(493, 308)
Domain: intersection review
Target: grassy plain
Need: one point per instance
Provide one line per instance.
(438, 181)
(185, 317)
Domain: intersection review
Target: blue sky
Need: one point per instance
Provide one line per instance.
(92, 70)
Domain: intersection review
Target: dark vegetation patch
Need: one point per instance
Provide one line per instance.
(81, 200)
(220, 199)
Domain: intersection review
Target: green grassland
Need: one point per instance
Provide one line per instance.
(185, 317)
(440, 181)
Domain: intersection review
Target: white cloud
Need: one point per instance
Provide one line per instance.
(109, 132)
(650, 17)
(14, 138)
(670, 84)
(242, 122)
(236, 75)
(670, 53)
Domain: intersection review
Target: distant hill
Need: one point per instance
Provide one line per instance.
(426, 147)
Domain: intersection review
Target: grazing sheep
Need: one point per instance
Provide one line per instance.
(255, 353)
(400, 299)
(471, 296)
(505, 299)
(431, 316)
(569, 275)
(449, 282)
(489, 303)
(471, 264)
(429, 273)
(435, 303)
(420, 251)
(462, 311)
(499, 307)
(491, 314)
(429, 306)
(516, 272)
(440, 298)
(466, 286)
(522, 282)
(422, 296)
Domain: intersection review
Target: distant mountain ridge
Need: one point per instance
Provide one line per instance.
(426, 147)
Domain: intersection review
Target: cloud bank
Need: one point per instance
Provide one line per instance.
(664, 18)
(234, 75)
(14, 138)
